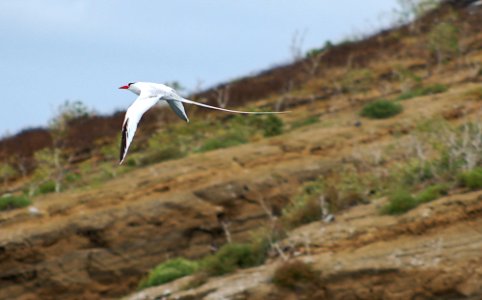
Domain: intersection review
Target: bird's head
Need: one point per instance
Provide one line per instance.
(131, 87)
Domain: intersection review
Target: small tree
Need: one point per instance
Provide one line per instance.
(443, 41)
(21, 164)
(312, 61)
(6, 173)
(53, 163)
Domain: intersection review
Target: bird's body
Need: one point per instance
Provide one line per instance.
(148, 95)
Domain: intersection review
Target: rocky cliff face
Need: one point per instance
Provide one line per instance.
(432, 252)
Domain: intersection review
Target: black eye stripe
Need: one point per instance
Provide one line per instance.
(130, 83)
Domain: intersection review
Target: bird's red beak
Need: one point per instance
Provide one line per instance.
(124, 87)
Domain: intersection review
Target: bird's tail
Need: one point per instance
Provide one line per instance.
(230, 110)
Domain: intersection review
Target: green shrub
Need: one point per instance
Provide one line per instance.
(409, 94)
(472, 179)
(272, 125)
(437, 88)
(12, 202)
(305, 122)
(231, 257)
(228, 140)
(46, 187)
(381, 109)
(423, 91)
(399, 202)
(297, 275)
(72, 177)
(431, 193)
(268, 125)
(169, 271)
(164, 145)
(443, 41)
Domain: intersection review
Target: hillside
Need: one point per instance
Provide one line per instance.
(319, 189)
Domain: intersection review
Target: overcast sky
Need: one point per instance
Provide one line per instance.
(55, 50)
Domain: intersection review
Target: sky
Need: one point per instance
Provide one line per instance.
(57, 50)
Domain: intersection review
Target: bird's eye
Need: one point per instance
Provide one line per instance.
(130, 83)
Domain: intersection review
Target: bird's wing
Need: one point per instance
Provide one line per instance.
(178, 108)
(133, 116)
(175, 97)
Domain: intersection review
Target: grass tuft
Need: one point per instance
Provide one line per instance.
(46, 187)
(472, 179)
(169, 271)
(305, 122)
(399, 202)
(423, 91)
(272, 125)
(12, 202)
(228, 140)
(231, 257)
(431, 193)
(381, 109)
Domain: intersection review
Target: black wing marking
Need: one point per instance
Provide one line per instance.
(123, 142)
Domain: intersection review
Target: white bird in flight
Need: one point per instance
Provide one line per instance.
(149, 94)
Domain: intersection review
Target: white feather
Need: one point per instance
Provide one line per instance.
(149, 94)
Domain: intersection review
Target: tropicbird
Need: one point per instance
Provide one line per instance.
(149, 94)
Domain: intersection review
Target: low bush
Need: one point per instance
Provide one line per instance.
(399, 202)
(443, 41)
(423, 91)
(272, 125)
(46, 187)
(224, 141)
(12, 202)
(431, 193)
(305, 122)
(381, 109)
(297, 275)
(169, 271)
(231, 257)
(472, 179)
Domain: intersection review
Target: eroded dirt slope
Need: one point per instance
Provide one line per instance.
(432, 252)
(97, 243)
